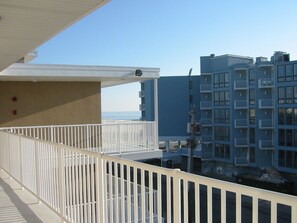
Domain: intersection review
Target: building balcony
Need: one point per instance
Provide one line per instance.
(240, 104)
(141, 94)
(266, 124)
(241, 142)
(84, 186)
(241, 123)
(241, 161)
(206, 121)
(266, 103)
(205, 105)
(266, 83)
(266, 144)
(205, 88)
(240, 85)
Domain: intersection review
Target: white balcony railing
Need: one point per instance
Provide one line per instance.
(266, 124)
(240, 85)
(205, 105)
(240, 104)
(205, 88)
(241, 123)
(266, 144)
(241, 142)
(266, 103)
(266, 83)
(79, 186)
(115, 138)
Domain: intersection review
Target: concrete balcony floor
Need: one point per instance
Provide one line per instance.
(19, 205)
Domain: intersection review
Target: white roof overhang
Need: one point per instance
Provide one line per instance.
(108, 76)
(26, 24)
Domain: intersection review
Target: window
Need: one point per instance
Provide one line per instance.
(289, 159)
(281, 137)
(281, 116)
(289, 116)
(295, 138)
(227, 79)
(216, 80)
(252, 136)
(289, 95)
(227, 134)
(295, 72)
(217, 98)
(222, 116)
(217, 149)
(227, 97)
(295, 160)
(281, 95)
(280, 73)
(295, 95)
(222, 98)
(252, 155)
(252, 77)
(289, 137)
(222, 80)
(228, 115)
(217, 115)
(281, 158)
(252, 96)
(252, 116)
(295, 116)
(217, 133)
(227, 151)
(289, 73)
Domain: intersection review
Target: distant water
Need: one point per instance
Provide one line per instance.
(132, 115)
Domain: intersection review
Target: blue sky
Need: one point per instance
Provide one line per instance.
(171, 35)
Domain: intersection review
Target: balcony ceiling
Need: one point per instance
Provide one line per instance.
(108, 76)
(26, 24)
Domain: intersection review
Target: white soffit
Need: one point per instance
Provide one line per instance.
(108, 76)
(26, 24)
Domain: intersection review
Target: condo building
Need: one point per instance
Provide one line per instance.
(248, 114)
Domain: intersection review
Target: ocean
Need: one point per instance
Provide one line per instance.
(128, 115)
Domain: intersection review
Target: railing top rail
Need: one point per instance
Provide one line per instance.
(78, 125)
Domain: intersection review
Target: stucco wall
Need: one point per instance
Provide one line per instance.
(49, 103)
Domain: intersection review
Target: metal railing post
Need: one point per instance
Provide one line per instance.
(21, 161)
(62, 195)
(176, 197)
(119, 139)
(37, 180)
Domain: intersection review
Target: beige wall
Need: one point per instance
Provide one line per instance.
(49, 103)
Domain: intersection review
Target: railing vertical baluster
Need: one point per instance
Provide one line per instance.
(273, 211)
(185, 200)
(61, 181)
(123, 217)
(128, 194)
(21, 160)
(37, 169)
(238, 208)
(223, 206)
(100, 184)
(159, 197)
(255, 209)
(294, 213)
(135, 194)
(176, 197)
(209, 204)
(168, 194)
(197, 202)
(142, 195)
(151, 199)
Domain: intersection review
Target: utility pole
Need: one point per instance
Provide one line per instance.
(192, 126)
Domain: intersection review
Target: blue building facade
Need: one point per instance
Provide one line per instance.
(248, 113)
(173, 104)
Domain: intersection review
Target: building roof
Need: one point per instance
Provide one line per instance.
(25, 25)
(108, 76)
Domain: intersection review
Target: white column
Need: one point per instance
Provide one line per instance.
(156, 112)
